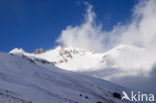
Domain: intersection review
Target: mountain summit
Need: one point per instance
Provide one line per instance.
(75, 59)
(39, 78)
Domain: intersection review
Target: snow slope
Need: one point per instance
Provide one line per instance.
(68, 58)
(126, 65)
(75, 59)
(23, 81)
(79, 60)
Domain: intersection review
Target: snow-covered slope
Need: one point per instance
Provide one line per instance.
(75, 59)
(68, 58)
(23, 81)
(6, 97)
(119, 65)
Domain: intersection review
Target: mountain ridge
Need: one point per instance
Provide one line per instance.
(72, 58)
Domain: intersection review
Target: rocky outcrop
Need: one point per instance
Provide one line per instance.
(39, 51)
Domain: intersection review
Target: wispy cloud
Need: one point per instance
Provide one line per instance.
(87, 36)
(140, 32)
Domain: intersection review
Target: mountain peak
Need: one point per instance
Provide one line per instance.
(17, 50)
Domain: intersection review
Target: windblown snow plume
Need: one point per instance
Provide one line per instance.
(86, 36)
(140, 32)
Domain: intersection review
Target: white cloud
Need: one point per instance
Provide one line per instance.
(87, 36)
(140, 32)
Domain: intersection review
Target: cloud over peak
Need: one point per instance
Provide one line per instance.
(87, 36)
(139, 32)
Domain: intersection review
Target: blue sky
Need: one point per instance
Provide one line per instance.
(31, 24)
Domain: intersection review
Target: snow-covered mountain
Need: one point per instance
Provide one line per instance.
(75, 59)
(37, 78)
(25, 81)
(120, 58)
(115, 65)
(68, 58)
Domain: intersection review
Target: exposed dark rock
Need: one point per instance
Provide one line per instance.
(54, 63)
(116, 95)
(98, 102)
(42, 61)
(86, 97)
